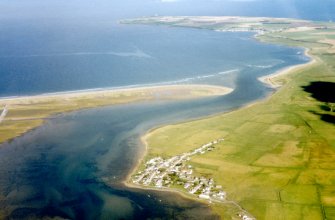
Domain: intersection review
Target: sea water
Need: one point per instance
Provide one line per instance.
(130, 56)
(74, 165)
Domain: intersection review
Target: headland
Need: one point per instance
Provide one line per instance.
(28, 112)
(276, 160)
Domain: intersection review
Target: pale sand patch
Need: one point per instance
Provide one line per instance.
(325, 33)
(331, 43)
(164, 92)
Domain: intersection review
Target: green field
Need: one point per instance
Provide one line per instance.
(278, 157)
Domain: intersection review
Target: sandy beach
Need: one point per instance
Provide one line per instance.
(166, 91)
(28, 112)
(270, 79)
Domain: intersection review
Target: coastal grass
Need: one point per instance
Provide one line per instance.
(277, 160)
(26, 113)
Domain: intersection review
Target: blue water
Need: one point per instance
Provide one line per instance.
(70, 45)
(73, 166)
(127, 55)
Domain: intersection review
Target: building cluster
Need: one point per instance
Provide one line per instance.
(244, 216)
(258, 30)
(174, 171)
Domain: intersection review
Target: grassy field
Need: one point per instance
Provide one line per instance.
(277, 160)
(26, 113)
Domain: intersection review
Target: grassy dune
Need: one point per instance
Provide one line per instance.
(26, 113)
(277, 160)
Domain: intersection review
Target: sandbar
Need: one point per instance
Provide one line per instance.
(28, 112)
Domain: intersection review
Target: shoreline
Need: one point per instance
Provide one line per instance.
(269, 79)
(127, 181)
(277, 121)
(141, 157)
(167, 84)
(29, 112)
(217, 90)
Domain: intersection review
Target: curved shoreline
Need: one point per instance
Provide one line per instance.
(213, 90)
(270, 79)
(143, 138)
(181, 193)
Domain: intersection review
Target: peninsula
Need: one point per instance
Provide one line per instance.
(21, 114)
(277, 157)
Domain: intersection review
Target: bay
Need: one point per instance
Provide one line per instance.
(73, 166)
